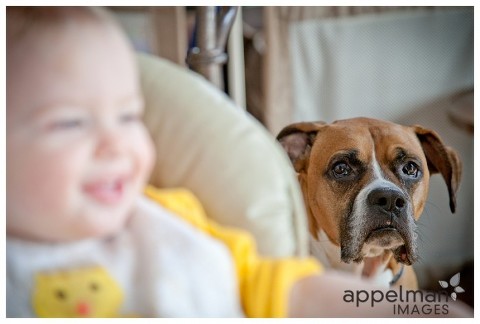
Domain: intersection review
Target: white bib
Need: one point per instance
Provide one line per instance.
(158, 266)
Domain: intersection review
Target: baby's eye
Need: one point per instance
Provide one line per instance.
(130, 117)
(67, 124)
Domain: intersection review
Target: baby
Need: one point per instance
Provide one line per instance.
(84, 236)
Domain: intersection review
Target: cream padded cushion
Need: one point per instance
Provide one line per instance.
(227, 159)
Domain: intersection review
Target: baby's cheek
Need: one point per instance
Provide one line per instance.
(49, 184)
(54, 174)
(36, 199)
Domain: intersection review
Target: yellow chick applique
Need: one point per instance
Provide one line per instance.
(85, 292)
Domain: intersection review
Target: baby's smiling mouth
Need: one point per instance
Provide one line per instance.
(107, 192)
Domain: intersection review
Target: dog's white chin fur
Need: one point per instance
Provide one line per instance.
(373, 266)
(377, 245)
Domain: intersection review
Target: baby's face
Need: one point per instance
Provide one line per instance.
(78, 153)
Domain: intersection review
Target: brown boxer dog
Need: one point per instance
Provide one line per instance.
(365, 184)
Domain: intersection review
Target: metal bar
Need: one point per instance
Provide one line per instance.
(212, 31)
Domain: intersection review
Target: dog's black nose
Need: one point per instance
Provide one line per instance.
(387, 199)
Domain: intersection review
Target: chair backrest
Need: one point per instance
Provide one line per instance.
(228, 160)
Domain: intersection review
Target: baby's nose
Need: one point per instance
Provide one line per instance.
(110, 144)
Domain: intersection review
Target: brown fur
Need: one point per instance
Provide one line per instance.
(311, 147)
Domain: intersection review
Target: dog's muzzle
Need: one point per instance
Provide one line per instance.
(384, 222)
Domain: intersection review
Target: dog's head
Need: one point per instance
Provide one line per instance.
(365, 182)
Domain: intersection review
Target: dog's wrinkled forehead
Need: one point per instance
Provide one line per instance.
(369, 139)
(311, 145)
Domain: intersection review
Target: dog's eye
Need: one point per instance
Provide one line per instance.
(410, 169)
(341, 169)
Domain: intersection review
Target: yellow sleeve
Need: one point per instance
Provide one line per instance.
(264, 283)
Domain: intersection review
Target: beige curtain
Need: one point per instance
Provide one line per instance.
(278, 102)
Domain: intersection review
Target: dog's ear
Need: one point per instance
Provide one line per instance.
(441, 159)
(297, 140)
